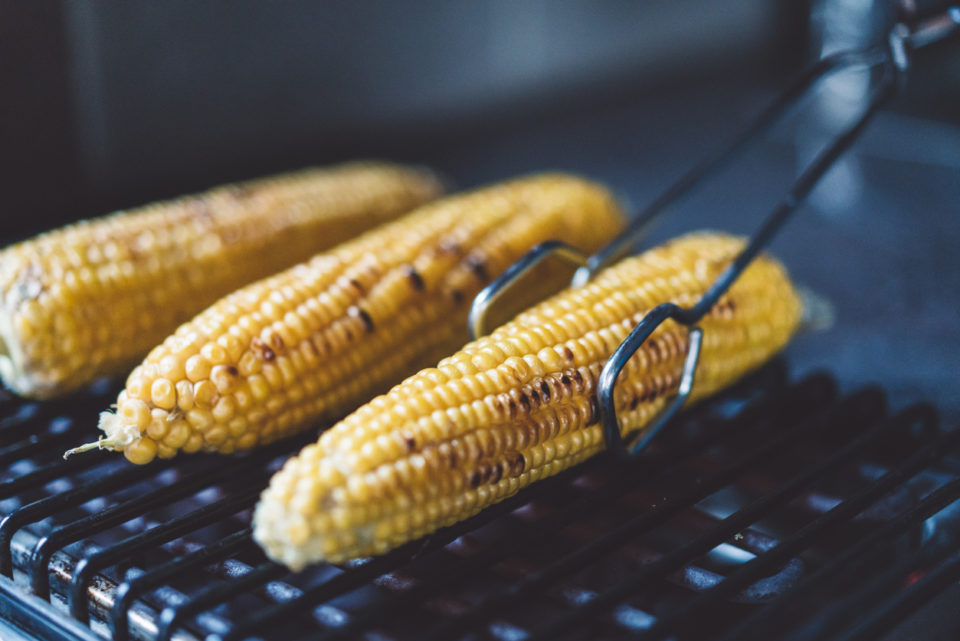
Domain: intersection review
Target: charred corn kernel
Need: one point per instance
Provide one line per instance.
(91, 298)
(327, 334)
(519, 405)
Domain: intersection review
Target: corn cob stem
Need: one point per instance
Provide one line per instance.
(100, 444)
(91, 298)
(518, 405)
(313, 342)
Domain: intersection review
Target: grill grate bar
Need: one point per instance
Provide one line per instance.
(399, 556)
(34, 444)
(747, 419)
(885, 615)
(771, 380)
(46, 473)
(492, 554)
(766, 562)
(207, 515)
(837, 616)
(861, 408)
(324, 592)
(764, 387)
(138, 506)
(43, 508)
(798, 425)
(352, 579)
(39, 618)
(816, 387)
(768, 436)
(14, 414)
(765, 393)
(171, 616)
(116, 515)
(765, 621)
(133, 588)
(23, 421)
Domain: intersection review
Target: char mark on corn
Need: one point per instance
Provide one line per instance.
(90, 299)
(313, 342)
(519, 405)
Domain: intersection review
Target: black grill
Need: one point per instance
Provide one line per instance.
(778, 510)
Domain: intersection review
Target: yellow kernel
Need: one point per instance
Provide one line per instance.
(275, 404)
(134, 412)
(199, 418)
(215, 436)
(197, 368)
(177, 434)
(247, 441)
(224, 377)
(237, 426)
(214, 354)
(194, 443)
(184, 395)
(137, 388)
(157, 430)
(249, 364)
(141, 451)
(243, 398)
(224, 410)
(259, 387)
(164, 451)
(172, 368)
(162, 394)
(273, 376)
(231, 345)
(286, 370)
(204, 393)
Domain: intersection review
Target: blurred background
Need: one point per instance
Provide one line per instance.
(109, 105)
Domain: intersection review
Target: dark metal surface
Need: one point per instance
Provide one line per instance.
(775, 511)
(37, 618)
(763, 514)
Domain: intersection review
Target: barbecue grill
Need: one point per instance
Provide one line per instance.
(783, 509)
(794, 506)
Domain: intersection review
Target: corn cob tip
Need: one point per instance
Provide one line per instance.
(92, 298)
(312, 342)
(119, 436)
(285, 526)
(12, 369)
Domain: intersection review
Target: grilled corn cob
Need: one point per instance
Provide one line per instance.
(315, 341)
(92, 298)
(519, 405)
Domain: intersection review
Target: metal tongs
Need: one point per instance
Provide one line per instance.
(891, 60)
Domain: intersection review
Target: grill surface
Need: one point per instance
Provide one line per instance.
(779, 510)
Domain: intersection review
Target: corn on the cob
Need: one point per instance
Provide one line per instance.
(315, 341)
(519, 405)
(92, 298)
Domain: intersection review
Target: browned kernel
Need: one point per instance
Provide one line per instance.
(293, 351)
(517, 406)
(360, 313)
(414, 277)
(478, 266)
(114, 287)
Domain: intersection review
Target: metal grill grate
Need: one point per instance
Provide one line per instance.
(775, 511)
